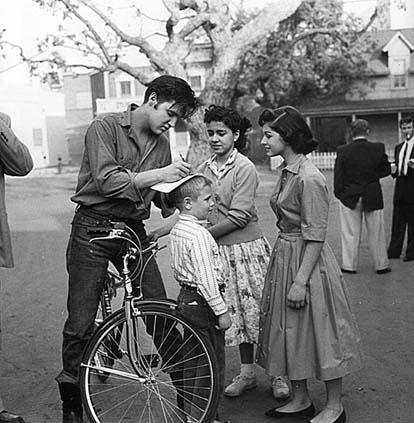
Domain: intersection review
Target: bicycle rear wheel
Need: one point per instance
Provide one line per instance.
(176, 376)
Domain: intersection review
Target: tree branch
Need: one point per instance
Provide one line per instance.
(369, 23)
(97, 38)
(143, 76)
(156, 58)
(195, 23)
(325, 31)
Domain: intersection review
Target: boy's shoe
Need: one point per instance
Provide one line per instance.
(239, 385)
(280, 388)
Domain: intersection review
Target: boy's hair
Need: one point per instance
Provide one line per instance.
(190, 188)
(172, 88)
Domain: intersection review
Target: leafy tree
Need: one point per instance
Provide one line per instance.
(315, 54)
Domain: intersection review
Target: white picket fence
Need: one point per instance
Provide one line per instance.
(323, 161)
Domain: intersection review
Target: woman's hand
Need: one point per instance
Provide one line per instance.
(298, 295)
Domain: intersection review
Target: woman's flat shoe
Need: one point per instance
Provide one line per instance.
(341, 418)
(306, 412)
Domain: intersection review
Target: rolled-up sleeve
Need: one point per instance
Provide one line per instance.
(15, 157)
(314, 207)
(111, 178)
(161, 201)
(242, 203)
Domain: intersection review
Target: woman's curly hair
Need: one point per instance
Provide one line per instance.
(233, 121)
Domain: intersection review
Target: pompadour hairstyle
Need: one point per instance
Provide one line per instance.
(172, 88)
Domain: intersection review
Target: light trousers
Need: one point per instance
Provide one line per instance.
(351, 229)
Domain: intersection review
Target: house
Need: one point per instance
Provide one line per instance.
(38, 119)
(382, 99)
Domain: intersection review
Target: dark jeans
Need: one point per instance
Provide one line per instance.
(194, 308)
(87, 266)
(402, 220)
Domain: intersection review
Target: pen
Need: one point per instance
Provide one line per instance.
(181, 156)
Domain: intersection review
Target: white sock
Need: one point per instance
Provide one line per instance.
(247, 370)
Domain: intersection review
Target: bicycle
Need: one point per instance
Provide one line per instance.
(144, 362)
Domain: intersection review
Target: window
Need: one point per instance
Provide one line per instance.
(37, 137)
(125, 88)
(195, 82)
(399, 74)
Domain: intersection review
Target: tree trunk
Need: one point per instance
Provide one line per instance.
(199, 149)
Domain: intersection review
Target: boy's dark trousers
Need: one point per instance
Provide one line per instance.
(195, 309)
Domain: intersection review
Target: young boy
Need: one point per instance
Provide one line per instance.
(195, 262)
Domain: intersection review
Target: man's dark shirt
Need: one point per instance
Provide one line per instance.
(111, 168)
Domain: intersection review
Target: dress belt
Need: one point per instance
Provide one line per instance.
(290, 236)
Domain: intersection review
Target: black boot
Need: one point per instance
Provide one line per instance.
(71, 403)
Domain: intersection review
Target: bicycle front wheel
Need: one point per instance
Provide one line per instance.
(170, 376)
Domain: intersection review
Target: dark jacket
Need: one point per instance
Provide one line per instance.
(404, 184)
(359, 166)
(15, 160)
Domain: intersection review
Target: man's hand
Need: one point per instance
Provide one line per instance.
(224, 321)
(298, 295)
(153, 236)
(175, 171)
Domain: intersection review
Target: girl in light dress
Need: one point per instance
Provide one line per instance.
(243, 248)
(307, 327)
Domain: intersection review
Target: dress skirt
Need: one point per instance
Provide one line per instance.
(244, 267)
(320, 340)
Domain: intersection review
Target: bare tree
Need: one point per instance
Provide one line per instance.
(101, 41)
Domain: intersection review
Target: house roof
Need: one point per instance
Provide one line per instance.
(377, 64)
(346, 108)
(403, 38)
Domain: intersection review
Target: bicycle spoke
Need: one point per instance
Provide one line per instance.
(163, 374)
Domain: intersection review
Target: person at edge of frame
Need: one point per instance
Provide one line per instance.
(403, 203)
(125, 154)
(15, 160)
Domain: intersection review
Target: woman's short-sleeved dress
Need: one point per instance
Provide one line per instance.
(320, 340)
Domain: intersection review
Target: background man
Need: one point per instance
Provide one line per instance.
(359, 166)
(403, 212)
(15, 160)
(125, 154)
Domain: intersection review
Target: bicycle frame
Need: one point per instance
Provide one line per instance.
(130, 301)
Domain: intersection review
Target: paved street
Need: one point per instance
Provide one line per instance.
(33, 311)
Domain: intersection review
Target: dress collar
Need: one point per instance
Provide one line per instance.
(294, 166)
